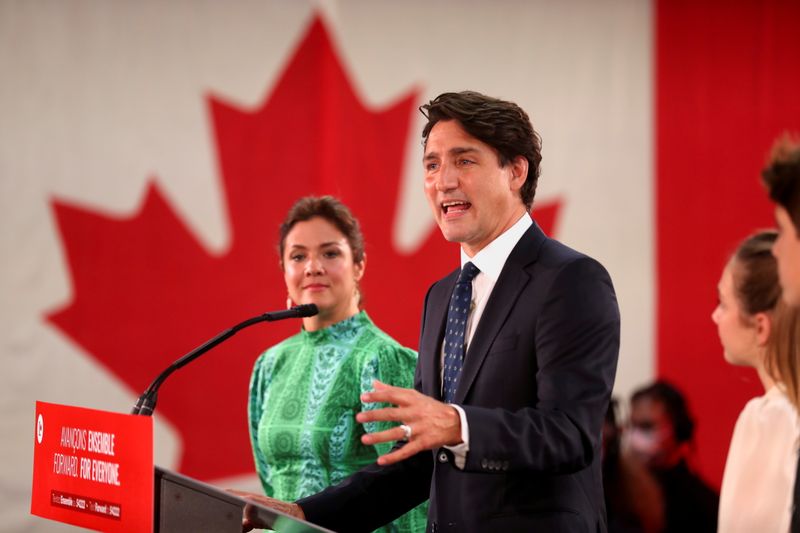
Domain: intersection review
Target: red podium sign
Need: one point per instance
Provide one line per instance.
(93, 468)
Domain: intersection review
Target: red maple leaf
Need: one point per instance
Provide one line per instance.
(146, 292)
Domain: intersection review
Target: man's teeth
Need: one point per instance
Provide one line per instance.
(447, 205)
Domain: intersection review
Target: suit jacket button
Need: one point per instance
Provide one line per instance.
(442, 457)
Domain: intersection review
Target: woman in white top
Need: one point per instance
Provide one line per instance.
(757, 329)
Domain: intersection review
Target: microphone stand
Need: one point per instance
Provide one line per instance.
(146, 403)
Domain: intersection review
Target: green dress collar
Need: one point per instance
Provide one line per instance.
(347, 329)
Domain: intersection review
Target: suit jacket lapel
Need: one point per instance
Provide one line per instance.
(509, 286)
(430, 348)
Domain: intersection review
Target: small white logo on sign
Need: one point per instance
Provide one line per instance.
(39, 429)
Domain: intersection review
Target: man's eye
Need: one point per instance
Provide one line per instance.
(431, 166)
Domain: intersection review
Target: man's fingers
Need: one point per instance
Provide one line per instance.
(399, 454)
(388, 394)
(388, 435)
(380, 385)
(250, 519)
(387, 414)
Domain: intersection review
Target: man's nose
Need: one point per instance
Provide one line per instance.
(448, 178)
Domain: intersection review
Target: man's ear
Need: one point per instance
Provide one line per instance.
(519, 172)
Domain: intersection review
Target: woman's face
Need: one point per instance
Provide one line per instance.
(650, 436)
(737, 331)
(318, 269)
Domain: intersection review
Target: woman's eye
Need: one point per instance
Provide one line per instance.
(332, 253)
(297, 257)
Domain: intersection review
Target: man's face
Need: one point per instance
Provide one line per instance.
(787, 252)
(473, 198)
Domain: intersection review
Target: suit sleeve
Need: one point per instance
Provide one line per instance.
(575, 346)
(373, 496)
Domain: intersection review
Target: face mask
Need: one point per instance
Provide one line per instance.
(642, 442)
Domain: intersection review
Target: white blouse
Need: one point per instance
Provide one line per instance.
(758, 483)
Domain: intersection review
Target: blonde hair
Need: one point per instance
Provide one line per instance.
(756, 285)
(783, 350)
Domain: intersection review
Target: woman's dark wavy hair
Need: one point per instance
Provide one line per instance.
(327, 208)
(502, 125)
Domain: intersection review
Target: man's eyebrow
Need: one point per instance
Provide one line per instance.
(458, 150)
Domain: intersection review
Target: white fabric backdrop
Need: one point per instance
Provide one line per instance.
(97, 98)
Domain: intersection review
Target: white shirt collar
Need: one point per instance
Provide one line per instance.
(491, 259)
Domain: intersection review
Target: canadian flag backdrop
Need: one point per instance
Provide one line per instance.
(149, 150)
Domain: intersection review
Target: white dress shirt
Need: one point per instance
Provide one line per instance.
(490, 261)
(758, 483)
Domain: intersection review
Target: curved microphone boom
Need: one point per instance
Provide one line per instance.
(147, 401)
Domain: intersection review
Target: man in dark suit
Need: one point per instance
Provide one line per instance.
(518, 353)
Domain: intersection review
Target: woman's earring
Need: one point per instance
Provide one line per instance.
(289, 302)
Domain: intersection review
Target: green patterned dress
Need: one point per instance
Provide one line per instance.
(304, 395)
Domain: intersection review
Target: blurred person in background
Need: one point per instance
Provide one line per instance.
(634, 503)
(757, 329)
(659, 435)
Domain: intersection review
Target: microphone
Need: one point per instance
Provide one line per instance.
(146, 403)
(298, 311)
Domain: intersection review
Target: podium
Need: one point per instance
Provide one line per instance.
(94, 469)
(183, 504)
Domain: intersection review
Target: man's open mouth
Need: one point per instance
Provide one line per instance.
(455, 206)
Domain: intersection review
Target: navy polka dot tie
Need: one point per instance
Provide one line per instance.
(456, 329)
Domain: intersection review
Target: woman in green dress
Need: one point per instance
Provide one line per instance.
(305, 391)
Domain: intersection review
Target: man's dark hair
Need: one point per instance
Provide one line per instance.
(675, 404)
(782, 176)
(502, 125)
